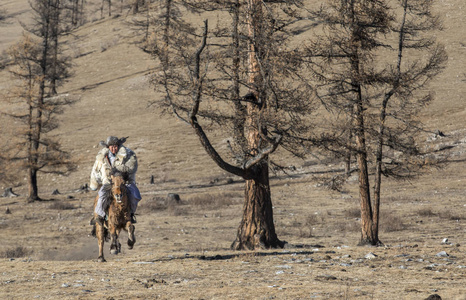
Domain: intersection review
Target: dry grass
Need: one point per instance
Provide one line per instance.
(182, 249)
(61, 205)
(426, 212)
(17, 252)
(214, 200)
(353, 213)
(451, 215)
(392, 222)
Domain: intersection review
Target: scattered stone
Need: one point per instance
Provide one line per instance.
(173, 198)
(325, 277)
(345, 265)
(434, 297)
(370, 255)
(445, 242)
(439, 133)
(55, 192)
(152, 179)
(9, 193)
(7, 211)
(83, 189)
(65, 285)
(283, 267)
(442, 254)
(402, 255)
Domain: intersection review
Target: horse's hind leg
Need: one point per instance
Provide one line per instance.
(131, 237)
(101, 239)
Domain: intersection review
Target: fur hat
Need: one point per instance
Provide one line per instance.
(113, 140)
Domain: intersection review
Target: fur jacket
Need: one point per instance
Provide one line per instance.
(125, 161)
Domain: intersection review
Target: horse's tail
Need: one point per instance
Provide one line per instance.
(94, 233)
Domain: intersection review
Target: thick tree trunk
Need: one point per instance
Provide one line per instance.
(257, 230)
(32, 186)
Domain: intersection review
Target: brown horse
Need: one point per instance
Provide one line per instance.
(116, 199)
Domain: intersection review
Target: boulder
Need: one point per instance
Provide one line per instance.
(9, 193)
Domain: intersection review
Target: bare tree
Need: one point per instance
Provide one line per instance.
(74, 12)
(377, 100)
(109, 5)
(202, 86)
(39, 69)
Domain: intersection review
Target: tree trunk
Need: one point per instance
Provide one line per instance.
(368, 235)
(54, 24)
(135, 6)
(32, 186)
(257, 230)
(348, 156)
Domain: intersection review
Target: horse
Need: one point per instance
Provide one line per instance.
(118, 216)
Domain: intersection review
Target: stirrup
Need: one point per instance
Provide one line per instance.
(133, 219)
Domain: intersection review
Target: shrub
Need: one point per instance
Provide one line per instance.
(213, 201)
(426, 212)
(353, 213)
(390, 223)
(16, 252)
(450, 215)
(61, 205)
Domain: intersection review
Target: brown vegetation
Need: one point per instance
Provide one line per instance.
(47, 251)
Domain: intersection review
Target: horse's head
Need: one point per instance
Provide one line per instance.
(118, 187)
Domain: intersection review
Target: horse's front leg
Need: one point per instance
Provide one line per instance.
(100, 232)
(131, 237)
(115, 246)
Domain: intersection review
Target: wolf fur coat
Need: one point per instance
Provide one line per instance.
(125, 161)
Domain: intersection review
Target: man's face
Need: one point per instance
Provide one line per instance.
(113, 148)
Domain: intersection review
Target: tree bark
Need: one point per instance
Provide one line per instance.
(368, 235)
(256, 229)
(32, 186)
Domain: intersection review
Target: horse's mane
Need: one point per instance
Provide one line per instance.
(107, 188)
(120, 173)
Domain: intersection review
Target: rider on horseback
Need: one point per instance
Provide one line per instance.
(114, 155)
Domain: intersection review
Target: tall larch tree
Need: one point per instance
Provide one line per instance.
(373, 81)
(39, 67)
(239, 78)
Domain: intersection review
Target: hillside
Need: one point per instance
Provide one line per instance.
(182, 250)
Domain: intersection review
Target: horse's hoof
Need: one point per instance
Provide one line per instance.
(114, 251)
(101, 259)
(130, 244)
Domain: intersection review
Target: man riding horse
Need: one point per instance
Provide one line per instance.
(114, 155)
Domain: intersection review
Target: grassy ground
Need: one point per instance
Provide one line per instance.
(183, 250)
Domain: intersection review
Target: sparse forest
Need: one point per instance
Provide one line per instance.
(40, 67)
(270, 91)
(286, 149)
